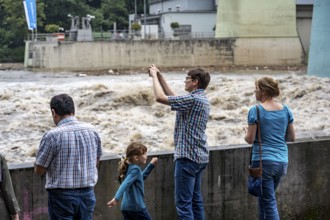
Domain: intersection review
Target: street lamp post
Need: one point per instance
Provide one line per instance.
(135, 14)
(145, 15)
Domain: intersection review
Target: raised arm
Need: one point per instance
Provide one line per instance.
(160, 95)
(167, 89)
(149, 167)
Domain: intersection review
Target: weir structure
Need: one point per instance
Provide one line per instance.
(247, 33)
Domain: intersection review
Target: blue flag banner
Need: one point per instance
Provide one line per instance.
(30, 8)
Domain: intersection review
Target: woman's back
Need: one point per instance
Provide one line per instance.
(273, 125)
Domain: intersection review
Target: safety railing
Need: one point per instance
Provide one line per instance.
(122, 35)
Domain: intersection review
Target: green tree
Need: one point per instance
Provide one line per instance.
(57, 11)
(130, 5)
(13, 27)
(14, 30)
(106, 12)
(52, 28)
(114, 11)
(94, 3)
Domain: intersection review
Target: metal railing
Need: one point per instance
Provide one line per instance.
(123, 35)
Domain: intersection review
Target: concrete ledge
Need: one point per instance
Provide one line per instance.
(303, 193)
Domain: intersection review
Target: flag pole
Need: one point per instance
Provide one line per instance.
(36, 34)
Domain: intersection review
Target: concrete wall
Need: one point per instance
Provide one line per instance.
(201, 22)
(164, 53)
(303, 193)
(304, 24)
(185, 5)
(256, 18)
(265, 51)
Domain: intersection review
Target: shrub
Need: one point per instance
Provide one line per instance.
(8, 55)
(52, 28)
(174, 25)
(136, 27)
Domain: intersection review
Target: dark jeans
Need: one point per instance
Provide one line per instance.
(188, 195)
(138, 215)
(71, 204)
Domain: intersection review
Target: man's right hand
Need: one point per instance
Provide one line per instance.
(153, 70)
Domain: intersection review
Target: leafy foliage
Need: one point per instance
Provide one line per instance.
(136, 26)
(57, 11)
(51, 28)
(13, 26)
(13, 29)
(174, 25)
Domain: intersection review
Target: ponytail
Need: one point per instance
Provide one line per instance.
(122, 168)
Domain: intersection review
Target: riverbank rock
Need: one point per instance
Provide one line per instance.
(11, 66)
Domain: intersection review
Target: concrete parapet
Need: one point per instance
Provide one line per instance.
(84, 56)
(303, 193)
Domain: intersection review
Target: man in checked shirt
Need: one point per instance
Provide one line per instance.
(68, 155)
(191, 150)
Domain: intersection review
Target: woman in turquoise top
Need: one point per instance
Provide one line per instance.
(132, 183)
(276, 126)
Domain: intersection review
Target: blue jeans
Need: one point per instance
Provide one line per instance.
(188, 196)
(137, 215)
(69, 204)
(272, 172)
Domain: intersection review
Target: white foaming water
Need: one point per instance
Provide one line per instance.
(123, 109)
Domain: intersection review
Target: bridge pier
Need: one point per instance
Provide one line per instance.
(266, 28)
(319, 53)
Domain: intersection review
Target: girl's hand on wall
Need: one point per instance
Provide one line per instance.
(154, 160)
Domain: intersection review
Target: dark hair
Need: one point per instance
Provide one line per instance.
(134, 149)
(201, 75)
(62, 104)
(269, 86)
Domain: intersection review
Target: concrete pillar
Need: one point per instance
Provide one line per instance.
(256, 18)
(319, 53)
(262, 29)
